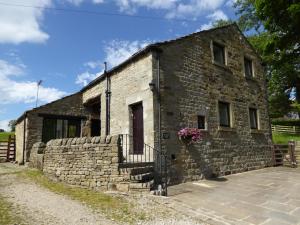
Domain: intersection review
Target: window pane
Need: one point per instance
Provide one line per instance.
(253, 118)
(74, 128)
(201, 122)
(224, 114)
(65, 128)
(248, 67)
(59, 129)
(219, 53)
(49, 130)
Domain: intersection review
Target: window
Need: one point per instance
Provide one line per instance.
(58, 128)
(224, 114)
(201, 122)
(248, 67)
(253, 118)
(219, 53)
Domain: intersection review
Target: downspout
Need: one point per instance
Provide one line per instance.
(159, 107)
(24, 139)
(107, 94)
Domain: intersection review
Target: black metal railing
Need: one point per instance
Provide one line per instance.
(145, 154)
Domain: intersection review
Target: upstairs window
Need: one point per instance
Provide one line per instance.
(224, 114)
(201, 122)
(248, 67)
(219, 53)
(253, 118)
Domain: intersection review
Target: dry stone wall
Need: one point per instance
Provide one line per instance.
(37, 155)
(88, 162)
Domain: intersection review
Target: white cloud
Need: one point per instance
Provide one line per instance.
(194, 8)
(22, 24)
(86, 77)
(4, 125)
(131, 6)
(230, 3)
(98, 1)
(94, 64)
(12, 91)
(75, 2)
(116, 52)
(216, 15)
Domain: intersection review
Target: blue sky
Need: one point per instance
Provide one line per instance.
(66, 49)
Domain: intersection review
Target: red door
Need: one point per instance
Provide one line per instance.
(138, 128)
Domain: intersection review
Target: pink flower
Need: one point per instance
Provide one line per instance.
(192, 134)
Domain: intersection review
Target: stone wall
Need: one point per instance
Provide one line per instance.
(192, 85)
(67, 106)
(88, 162)
(20, 140)
(37, 156)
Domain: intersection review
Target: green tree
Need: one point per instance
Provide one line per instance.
(221, 23)
(12, 125)
(274, 28)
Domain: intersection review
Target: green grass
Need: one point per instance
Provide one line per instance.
(7, 213)
(115, 208)
(280, 138)
(4, 135)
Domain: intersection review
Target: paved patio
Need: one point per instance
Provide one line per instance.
(269, 196)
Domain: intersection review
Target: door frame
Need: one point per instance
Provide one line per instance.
(131, 129)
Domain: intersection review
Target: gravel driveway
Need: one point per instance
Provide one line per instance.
(36, 205)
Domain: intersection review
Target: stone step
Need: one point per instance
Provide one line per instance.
(142, 177)
(146, 185)
(136, 164)
(136, 171)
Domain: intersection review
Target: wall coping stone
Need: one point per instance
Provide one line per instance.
(115, 139)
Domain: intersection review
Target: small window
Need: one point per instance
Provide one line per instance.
(201, 122)
(219, 53)
(248, 67)
(253, 118)
(224, 114)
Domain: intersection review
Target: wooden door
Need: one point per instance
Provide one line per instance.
(138, 128)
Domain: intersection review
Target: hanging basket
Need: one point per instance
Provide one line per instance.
(189, 135)
(186, 140)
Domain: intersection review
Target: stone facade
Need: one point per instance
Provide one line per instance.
(88, 162)
(67, 106)
(129, 86)
(192, 85)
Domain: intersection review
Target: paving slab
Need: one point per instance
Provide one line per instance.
(266, 196)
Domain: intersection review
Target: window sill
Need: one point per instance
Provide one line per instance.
(220, 64)
(205, 131)
(250, 78)
(226, 129)
(257, 131)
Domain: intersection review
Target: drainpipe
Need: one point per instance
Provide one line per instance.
(107, 94)
(24, 139)
(159, 107)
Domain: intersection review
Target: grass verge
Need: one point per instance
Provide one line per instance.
(4, 135)
(114, 208)
(7, 213)
(282, 138)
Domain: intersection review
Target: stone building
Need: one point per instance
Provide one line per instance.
(58, 119)
(210, 80)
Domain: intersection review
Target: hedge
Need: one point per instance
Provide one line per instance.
(285, 122)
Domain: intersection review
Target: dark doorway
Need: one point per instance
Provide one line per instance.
(95, 127)
(138, 128)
